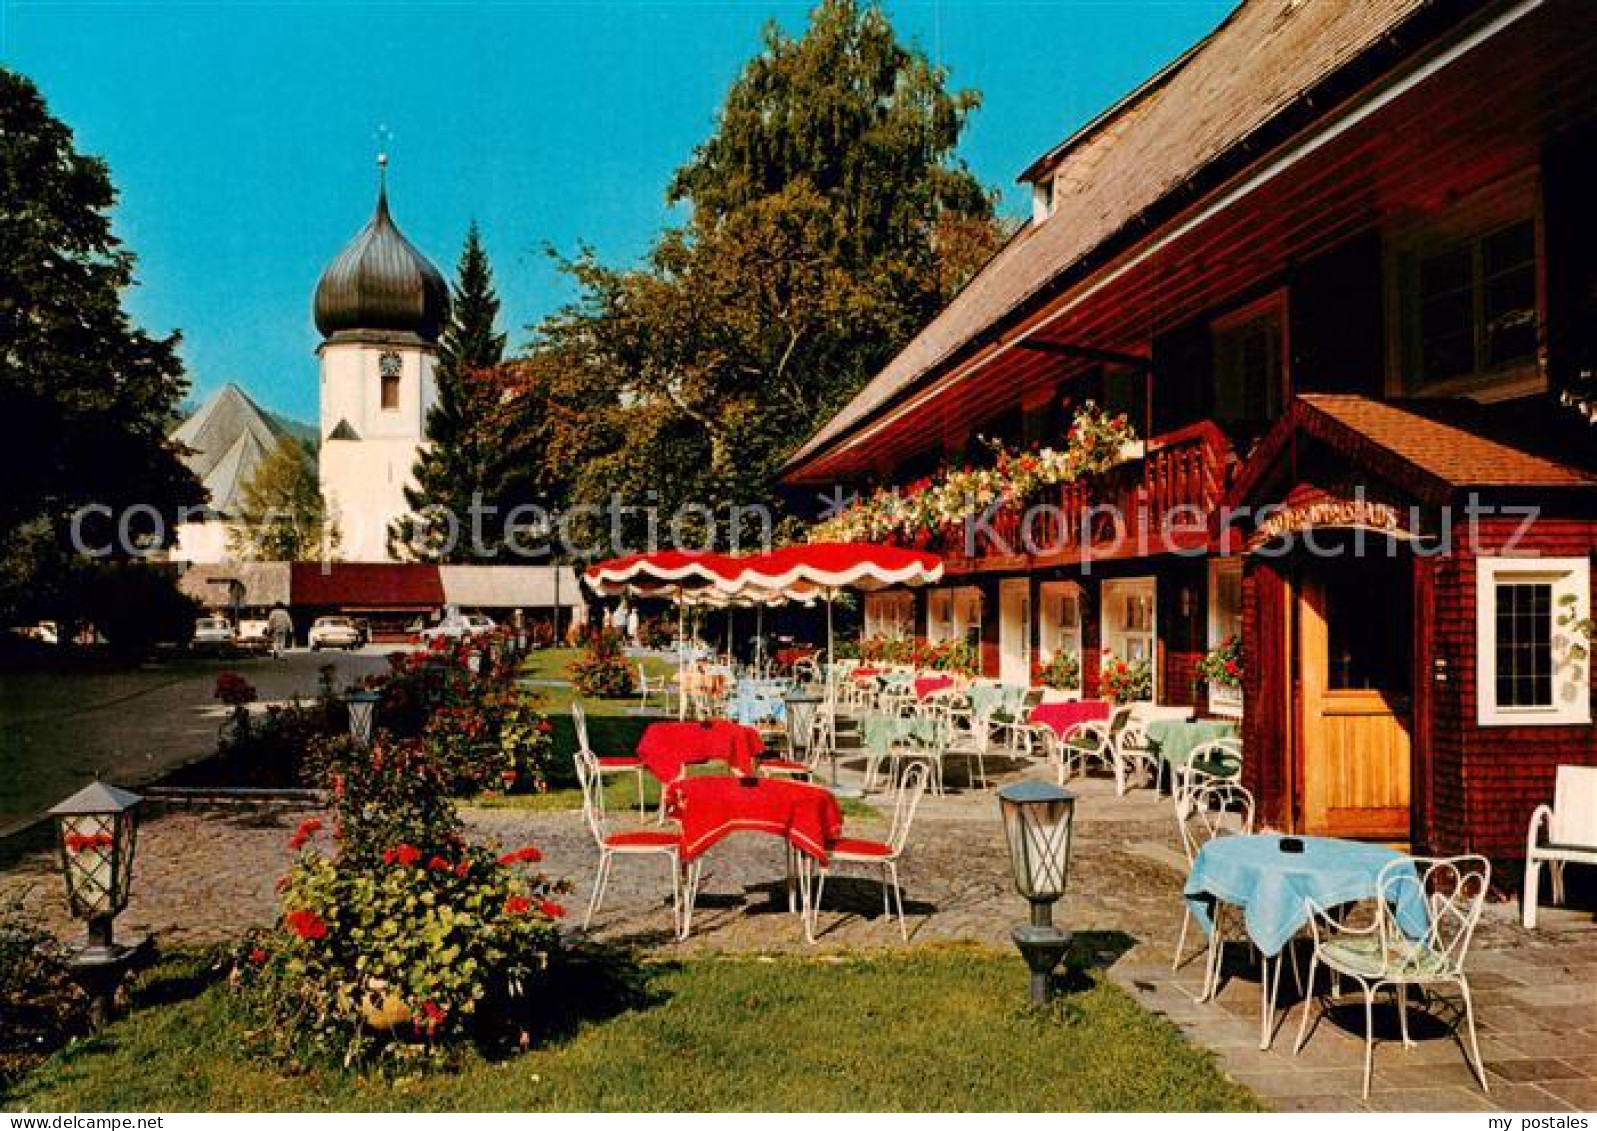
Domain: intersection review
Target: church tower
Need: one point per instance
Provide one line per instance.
(380, 307)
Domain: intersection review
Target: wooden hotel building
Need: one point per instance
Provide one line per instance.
(1338, 264)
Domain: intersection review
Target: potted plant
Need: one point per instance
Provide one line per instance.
(1062, 674)
(1126, 681)
(1222, 669)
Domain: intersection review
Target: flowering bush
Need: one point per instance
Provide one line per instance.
(1062, 672)
(957, 656)
(922, 508)
(656, 632)
(1223, 664)
(402, 930)
(603, 673)
(1126, 681)
(885, 650)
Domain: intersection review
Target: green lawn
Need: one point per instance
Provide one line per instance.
(938, 1029)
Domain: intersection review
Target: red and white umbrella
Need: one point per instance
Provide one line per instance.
(839, 565)
(672, 574)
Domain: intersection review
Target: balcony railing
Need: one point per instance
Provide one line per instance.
(1156, 502)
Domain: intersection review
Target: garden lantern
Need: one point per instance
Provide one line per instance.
(97, 827)
(1037, 824)
(362, 706)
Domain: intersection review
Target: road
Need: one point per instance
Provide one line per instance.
(57, 731)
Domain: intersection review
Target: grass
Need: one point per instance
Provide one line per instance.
(937, 1029)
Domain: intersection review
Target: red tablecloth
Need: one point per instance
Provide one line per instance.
(864, 673)
(930, 685)
(1063, 716)
(666, 748)
(711, 809)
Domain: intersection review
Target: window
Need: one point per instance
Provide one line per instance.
(1467, 294)
(890, 614)
(1059, 625)
(939, 615)
(967, 615)
(1225, 599)
(390, 387)
(1533, 656)
(1250, 366)
(1477, 305)
(1129, 630)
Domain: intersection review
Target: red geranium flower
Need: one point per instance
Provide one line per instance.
(438, 864)
(462, 868)
(305, 924)
(552, 909)
(258, 956)
(518, 905)
(404, 855)
(307, 829)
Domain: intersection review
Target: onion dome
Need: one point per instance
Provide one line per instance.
(381, 283)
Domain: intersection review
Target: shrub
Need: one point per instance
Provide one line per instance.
(603, 673)
(406, 931)
(656, 632)
(40, 1008)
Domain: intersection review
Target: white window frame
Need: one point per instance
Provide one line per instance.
(939, 615)
(1110, 604)
(890, 614)
(1571, 704)
(1225, 701)
(967, 609)
(1054, 632)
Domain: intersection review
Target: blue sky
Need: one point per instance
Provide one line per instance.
(242, 135)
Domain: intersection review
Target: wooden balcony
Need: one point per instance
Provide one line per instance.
(1160, 502)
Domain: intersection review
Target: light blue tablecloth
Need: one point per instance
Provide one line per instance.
(1174, 740)
(758, 700)
(1273, 888)
(880, 732)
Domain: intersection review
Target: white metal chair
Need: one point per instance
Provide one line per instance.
(883, 854)
(1134, 754)
(632, 842)
(1380, 954)
(608, 764)
(1200, 768)
(1570, 828)
(656, 686)
(1095, 740)
(1214, 809)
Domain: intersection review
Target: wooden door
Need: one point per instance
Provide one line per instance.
(1353, 665)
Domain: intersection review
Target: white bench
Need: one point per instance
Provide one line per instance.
(1570, 825)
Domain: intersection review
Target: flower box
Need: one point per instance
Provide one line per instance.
(1225, 701)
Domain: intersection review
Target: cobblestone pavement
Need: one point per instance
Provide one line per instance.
(206, 875)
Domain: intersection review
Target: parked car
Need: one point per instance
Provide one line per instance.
(334, 632)
(473, 624)
(214, 632)
(256, 635)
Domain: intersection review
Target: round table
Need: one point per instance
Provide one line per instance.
(1174, 740)
(1274, 890)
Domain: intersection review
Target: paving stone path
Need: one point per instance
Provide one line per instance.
(206, 875)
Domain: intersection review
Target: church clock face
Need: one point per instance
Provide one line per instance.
(388, 364)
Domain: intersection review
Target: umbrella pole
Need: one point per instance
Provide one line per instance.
(682, 669)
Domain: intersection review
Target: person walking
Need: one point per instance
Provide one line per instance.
(281, 626)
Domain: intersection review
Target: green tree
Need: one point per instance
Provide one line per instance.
(282, 515)
(461, 460)
(830, 219)
(85, 395)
